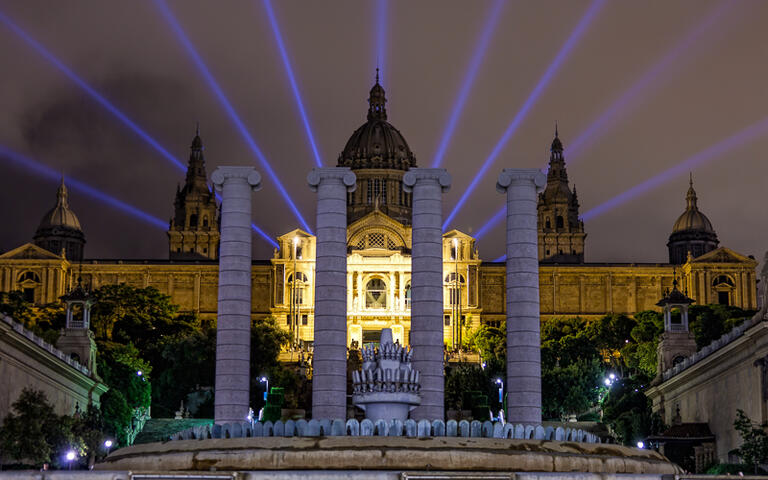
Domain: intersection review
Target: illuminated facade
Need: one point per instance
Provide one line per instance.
(379, 261)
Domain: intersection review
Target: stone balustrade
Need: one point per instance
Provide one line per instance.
(716, 345)
(393, 428)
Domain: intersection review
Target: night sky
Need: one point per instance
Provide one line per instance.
(712, 87)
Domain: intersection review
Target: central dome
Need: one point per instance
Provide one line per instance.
(377, 144)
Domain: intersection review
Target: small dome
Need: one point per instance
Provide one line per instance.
(61, 215)
(692, 219)
(377, 144)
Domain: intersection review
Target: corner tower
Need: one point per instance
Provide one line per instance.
(194, 229)
(59, 230)
(692, 232)
(561, 232)
(379, 156)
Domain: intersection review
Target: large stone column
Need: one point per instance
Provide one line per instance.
(233, 329)
(329, 381)
(427, 186)
(523, 329)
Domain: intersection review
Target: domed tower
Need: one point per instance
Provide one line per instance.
(379, 156)
(194, 229)
(561, 232)
(60, 229)
(692, 232)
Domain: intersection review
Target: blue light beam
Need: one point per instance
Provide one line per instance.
(381, 39)
(734, 141)
(607, 118)
(228, 108)
(489, 27)
(49, 173)
(576, 34)
(101, 100)
(292, 80)
(495, 219)
(95, 95)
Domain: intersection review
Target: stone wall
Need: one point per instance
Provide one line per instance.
(725, 377)
(26, 361)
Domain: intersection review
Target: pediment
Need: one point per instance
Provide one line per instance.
(458, 234)
(723, 255)
(29, 251)
(378, 222)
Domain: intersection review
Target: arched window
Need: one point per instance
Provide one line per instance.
(193, 220)
(205, 221)
(376, 294)
(559, 221)
(408, 296)
(29, 276)
(548, 223)
(722, 281)
(451, 278)
(301, 285)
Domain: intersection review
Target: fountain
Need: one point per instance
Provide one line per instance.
(387, 387)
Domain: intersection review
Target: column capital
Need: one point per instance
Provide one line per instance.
(520, 176)
(438, 175)
(341, 174)
(249, 174)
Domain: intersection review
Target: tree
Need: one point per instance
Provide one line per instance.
(754, 449)
(33, 432)
(186, 361)
(570, 389)
(267, 339)
(116, 416)
(710, 322)
(628, 411)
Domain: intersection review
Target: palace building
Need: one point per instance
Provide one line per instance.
(379, 254)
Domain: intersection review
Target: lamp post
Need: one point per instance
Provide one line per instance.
(294, 299)
(108, 445)
(456, 303)
(71, 455)
(265, 380)
(500, 383)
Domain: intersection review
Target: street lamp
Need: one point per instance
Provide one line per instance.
(71, 455)
(108, 445)
(266, 389)
(294, 291)
(500, 383)
(640, 445)
(456, 297)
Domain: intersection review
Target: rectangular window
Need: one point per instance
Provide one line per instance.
(369, 192)
(447, 320)
(305, 320)
(723, 298)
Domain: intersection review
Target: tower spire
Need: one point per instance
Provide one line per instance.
(377, 101)
(690, 198)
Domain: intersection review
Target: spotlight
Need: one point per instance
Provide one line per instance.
(529, 102)
(228, 108)
(292, 80)
(736, 140)
(607, 382)
(612, 376)
(485, 37)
